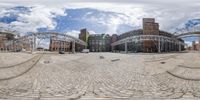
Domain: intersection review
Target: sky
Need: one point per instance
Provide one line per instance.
(98, 16)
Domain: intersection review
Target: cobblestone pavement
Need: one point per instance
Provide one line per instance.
(16, 57)
(103, 76)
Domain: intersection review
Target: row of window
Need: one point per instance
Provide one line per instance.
(60, 43)
(56, 49)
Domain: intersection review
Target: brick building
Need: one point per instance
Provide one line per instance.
(195, 46)
(84, 34)
(8, 43)
(150, 28)
(57, 44)
(2, 41)
(26, 45)
(98, 42)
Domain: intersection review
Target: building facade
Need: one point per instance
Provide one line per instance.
(57, 44)
(8, 43)
(131, 46)
(195, 46)
(150, 27)
(99, 43)
(102, 42)
(2, 41)
(84, 35)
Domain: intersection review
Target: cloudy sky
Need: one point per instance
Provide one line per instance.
(98, 16)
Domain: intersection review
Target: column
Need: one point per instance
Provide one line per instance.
(73, 46)
(170, 45)
(165, 44)
(159, 45)
(112, 48)
(179, 46)
(33, 43)
(126, 47)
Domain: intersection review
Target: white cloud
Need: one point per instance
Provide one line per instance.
(73, 33)
(39, 17)
(112, 19)
(169, 14)
(189, 43)
(92, 32)
(44, 43)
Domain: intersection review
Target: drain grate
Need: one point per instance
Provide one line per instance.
(101, 57)
(162, 62)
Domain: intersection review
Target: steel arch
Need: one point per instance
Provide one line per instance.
(47, 34)
(147, 37)
(182, 35)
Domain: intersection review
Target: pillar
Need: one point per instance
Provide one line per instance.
(112, 48)
(170, 46)
(33, 43)
(73, 46)
(179, 46)
(126, 47)
(165, 44)
(159, 45)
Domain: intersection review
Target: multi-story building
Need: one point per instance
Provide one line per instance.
(2, 41)
(114, 38)
(149, 28)
(102, 42)
(57, 44)
(84, 34)
(193, 45)
(26, 44)
(7, 42)
(131, 46)
(99, 43)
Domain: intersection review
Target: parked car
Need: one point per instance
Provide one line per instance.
(61, 52)
(18, 50)
(85, 51)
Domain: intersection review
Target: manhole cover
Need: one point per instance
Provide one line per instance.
(101, 57)
(46, 62)
(162, 62)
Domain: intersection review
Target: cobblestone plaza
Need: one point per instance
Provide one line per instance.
(102, 76)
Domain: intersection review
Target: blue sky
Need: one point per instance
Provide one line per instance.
(111, 17)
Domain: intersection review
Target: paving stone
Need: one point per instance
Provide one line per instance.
(85, 76)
